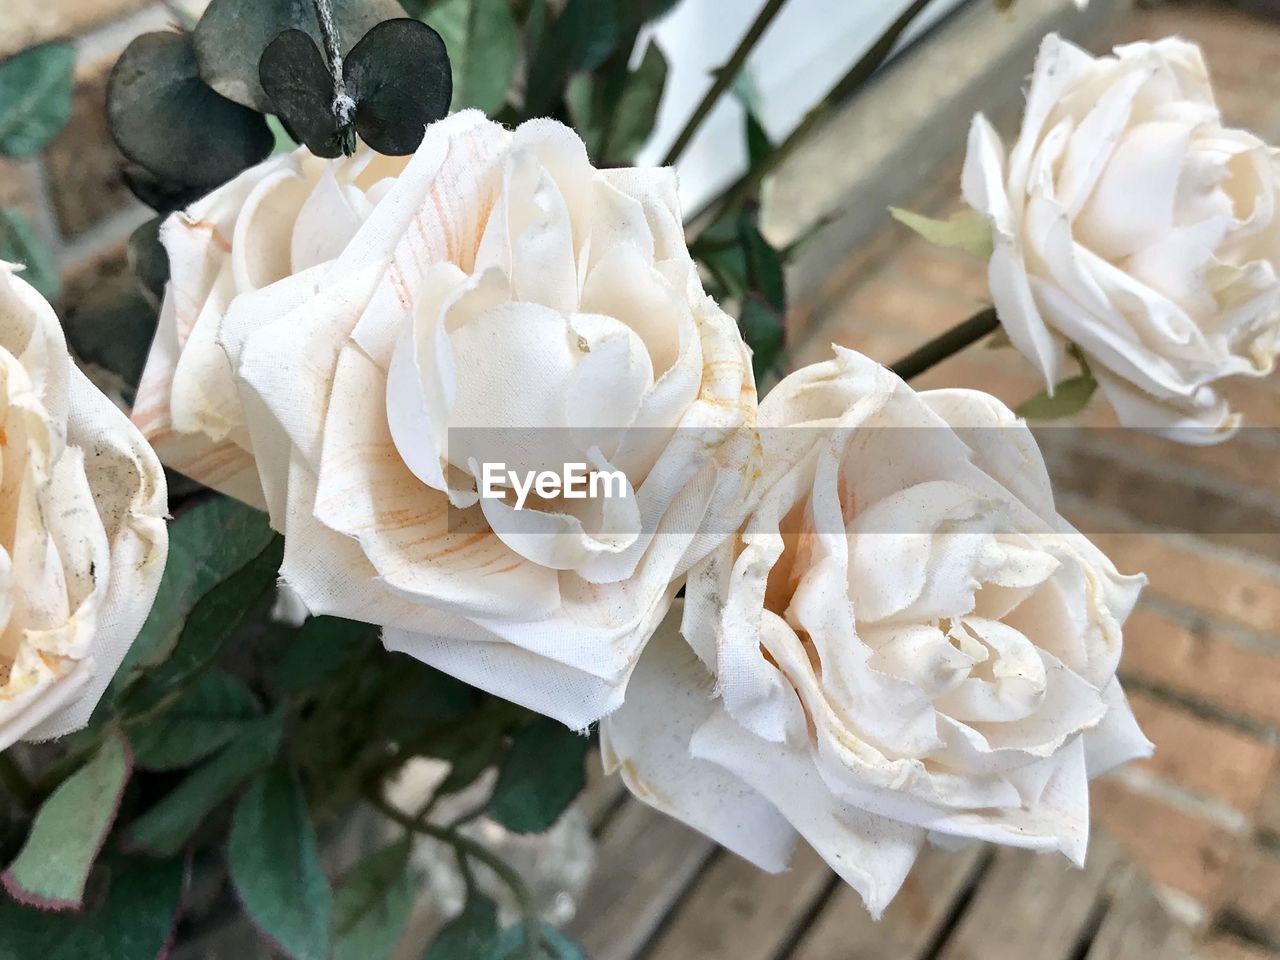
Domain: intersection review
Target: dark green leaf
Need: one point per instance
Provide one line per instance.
(112, 327)
(552, 945)
(416, 8)
(163, 117)
(166, 827)
(580, 39)
(210, 715)
(372, 905)
(20, 244)
(148, 259)
(424, 698)
(321, 650)
(636, 110)
(764, 265)
(542, 772)
(763, 330)
(1069, 398)
(134, 921)
(300, 87)
(275, 866)
(53, 867)
(471, 935)
(35, 97)
(232, 36)
(207, 545)
(469, 749)
(400, 79)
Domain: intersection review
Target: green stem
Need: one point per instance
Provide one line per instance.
(473, 850)
(16, 783)
(858, 74)
(947, 344)
(724, 79)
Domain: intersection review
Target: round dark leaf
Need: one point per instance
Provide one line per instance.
(400, 79)
(232, 36)
(160, 195)
(149, 260)
(165, 118)
(112, 327)
(300, 86)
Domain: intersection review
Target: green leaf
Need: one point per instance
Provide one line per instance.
(483, 40)
(167, 826)
(284, 141)
(471, 935)
(636, 110)
(35, 97)
(275, 866)
(322, 650)
(112, 327)
(424, 698)
(208, 544)
(968, 230)
(372, 905)
(1069, 398)
(580, 39)
(469, 749)
(765, 273)
(232, 35)
(134, 921)
(210, 715)
(19, 243)
(552, 945)
(542, 772)
(163, 117)
(765, 333)
(53, 867)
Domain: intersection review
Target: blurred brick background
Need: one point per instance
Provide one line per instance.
(1202, 654)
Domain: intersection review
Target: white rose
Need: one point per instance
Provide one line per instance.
(1130, 222)
(905, 640)
(82, 533)
(285, 215)
(500, 282)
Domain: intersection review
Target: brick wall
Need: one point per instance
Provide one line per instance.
(1202, 655)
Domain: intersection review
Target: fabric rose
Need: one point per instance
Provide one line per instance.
(281, 217)
(502, 300)
(82, 533)
(905, 640)
(1130, 222)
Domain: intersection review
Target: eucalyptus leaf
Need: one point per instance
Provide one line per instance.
(69, 830)
(1069, 398)
(35, 97)
(134, 920)
(232, 36)
(544, 769)
(164, 829)
(968, 230)
(275, 866)
(372, 904)
(20, 244)
(164, 117)
(208, 544)
(400, 79)
(111, 326)
(216, 709)
(471, 935)
(149, 261)
(162, 196)
(297, 80)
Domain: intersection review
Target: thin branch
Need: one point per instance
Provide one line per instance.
(725, 76)
(947, 344)
(858, 74)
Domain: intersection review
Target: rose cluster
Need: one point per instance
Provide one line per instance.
(889, 633)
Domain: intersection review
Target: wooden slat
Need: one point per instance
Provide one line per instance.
(644, 862)
(1033, 905)
(843, 930)
(1137, 925)
(737, 910)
